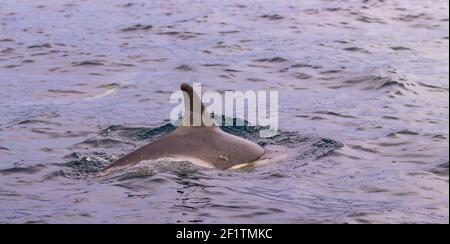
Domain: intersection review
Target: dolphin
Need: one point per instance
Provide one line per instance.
(205, 144)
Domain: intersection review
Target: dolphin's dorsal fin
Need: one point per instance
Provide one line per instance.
(195, 111)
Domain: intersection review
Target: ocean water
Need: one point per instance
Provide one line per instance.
(364, 109)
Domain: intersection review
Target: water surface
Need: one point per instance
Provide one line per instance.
(363, 103)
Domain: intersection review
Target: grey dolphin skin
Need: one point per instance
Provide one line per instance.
(208, 144)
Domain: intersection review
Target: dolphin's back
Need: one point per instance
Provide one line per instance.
(210, 145)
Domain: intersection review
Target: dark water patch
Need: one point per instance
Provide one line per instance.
(28, 61)
(6, 40)
(137, 27)
(301, 76)
(271, 60)
(96, 74)
(284, 70)
(215, 65)
(22, 170)
(126, 5)
(123, 65)
(184, 67)
(245, 40)
(88, 63)
(440, 137)
(405, 194)
(402, 132)
(336, 114)
(4, 148)
(317, 118)
(225, 76)
(358, 217)
(169, 33)
(389, 117)
(35, 121)
(389, 83)
(65, 91)
(109, 85)
(229, 32)
(256, 80)
(45, 45)
(410, 17)
(54, 69)
(400, 48)
(232, 70)
(46, 149)
(12, 66)
(371, 189)
(7, 50)
(441, 170)
(356, 49)
(363, 221)
(181, 35)
(35, 222)
(330, 72)
(231, 47)
(364, 149)
(369, 20)
(433, 87)
(276, 175)
(301, 65)
(332, 9)
(272, 17)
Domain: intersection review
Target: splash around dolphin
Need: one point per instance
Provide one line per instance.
(206, 144)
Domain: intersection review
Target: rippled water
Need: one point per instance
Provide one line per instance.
(364, 97)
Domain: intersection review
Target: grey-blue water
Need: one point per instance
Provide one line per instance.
(364, 109)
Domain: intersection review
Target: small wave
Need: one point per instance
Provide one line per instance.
(45, 45)
(441, 170)
(271, 60)
(65, 91)
(137, 27)
(379, 83)
(89, 63)
(272, 17)
(184, 67)
(85, 165)
(137, 134)
(400, 48)
(181, 168)
(22, 170)
(356, 49)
